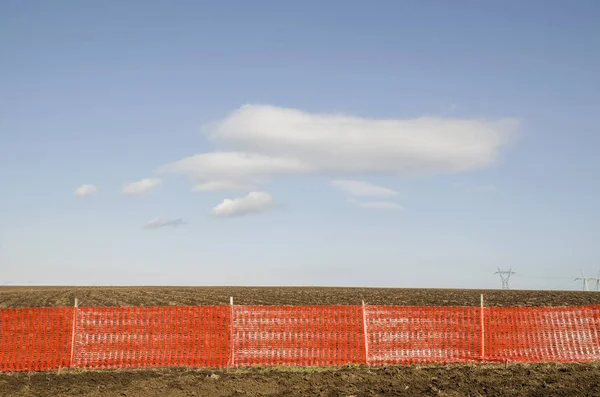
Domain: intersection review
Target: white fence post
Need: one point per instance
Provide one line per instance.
(365, 332)
(482, 309)
(232, 336)
(73, 332)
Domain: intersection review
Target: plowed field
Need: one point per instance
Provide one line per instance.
(465, 380)
(439, 380)
(192, 296)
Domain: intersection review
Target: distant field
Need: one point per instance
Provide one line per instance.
(192, 296)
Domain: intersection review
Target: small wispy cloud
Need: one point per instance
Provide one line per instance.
(253, 202)
(362, 189)
(86, 191)
(160, 223)
(140, 187)
(377, 205)
(215, 186)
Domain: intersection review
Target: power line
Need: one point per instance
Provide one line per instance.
(547, 277)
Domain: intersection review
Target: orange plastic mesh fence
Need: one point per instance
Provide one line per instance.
(543, 334)
(405, 335)
(298, 335)
(131, 337)
(219, 336)
(35, 339)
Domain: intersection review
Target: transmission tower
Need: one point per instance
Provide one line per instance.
(505, 276)
(584, 282)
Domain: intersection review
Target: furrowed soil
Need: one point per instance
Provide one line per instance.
(437, 380)
(193, 296)
(464, 380)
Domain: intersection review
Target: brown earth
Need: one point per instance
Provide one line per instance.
(464, 380)
(439, 380)
(167, 296)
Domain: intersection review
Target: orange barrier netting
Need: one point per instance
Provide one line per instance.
(131, 337)
(420, 334)
(35, 339)
(219, 336)
(298, 335)
(543, 334)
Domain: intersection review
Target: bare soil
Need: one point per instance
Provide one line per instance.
(465, 380)
(437, 380)
(193, 296)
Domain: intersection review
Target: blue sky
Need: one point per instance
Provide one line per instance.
(389, 143)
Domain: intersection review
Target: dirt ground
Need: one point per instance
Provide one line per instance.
(168, 296)
(439, 380)
(465, 380)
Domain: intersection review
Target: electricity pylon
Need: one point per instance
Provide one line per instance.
(505, 276)
(584, 282)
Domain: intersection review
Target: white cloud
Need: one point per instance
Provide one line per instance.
(225, 169)
(251, 203)
(86, 191)
(214, 186)
(379, 205)
(159, 223)
(140, 187)
(362, 189)
(347, 143)
(268, 141)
